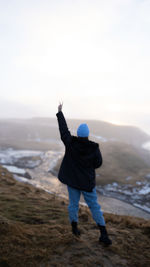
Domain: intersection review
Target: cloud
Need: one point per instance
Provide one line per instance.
(94, 53)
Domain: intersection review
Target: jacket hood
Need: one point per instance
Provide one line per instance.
(84, 144)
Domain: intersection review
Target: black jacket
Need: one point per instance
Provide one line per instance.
(81, 159)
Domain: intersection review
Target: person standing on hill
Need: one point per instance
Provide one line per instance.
(77, 171)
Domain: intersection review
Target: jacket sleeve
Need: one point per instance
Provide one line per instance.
(63, 128)
(98, 159)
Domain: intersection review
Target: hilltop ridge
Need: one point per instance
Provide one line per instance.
(43, 132)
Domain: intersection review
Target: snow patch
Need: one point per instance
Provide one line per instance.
(146, 146)
(128, 178)
(101, 138)
(12, 157)
(21, 179)
(145, 190)
(14, 169)
(139, 183)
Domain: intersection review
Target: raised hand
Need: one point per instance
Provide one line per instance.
(60, 106)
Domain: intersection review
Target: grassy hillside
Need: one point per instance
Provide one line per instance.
(121, 161)
(34, 231)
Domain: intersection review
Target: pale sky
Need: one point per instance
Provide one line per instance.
(92, 54)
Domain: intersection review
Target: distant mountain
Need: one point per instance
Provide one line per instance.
(41, 133)
(127, 134)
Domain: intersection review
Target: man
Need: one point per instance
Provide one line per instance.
(77, 171)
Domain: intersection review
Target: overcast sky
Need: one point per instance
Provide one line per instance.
(93, 54)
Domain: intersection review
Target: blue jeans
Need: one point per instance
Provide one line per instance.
(91, 200)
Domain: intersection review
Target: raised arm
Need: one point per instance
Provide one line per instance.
(63, 128)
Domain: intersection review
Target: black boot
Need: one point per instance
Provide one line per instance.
(75, 229)
(104, 236)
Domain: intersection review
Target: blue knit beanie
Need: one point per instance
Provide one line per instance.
(83, 130)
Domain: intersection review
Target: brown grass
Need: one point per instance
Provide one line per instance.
(120, 161)
(34, 231)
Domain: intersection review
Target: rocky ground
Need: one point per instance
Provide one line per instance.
(34, 231)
